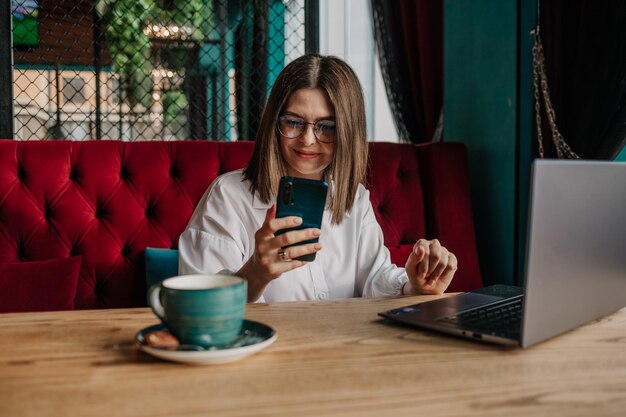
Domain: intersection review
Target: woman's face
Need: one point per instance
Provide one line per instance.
(305, 156)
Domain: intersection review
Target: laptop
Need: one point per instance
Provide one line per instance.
(575, 270)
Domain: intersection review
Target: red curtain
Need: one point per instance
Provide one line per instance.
(409, 36)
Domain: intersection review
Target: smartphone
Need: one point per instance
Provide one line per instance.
(305, 199)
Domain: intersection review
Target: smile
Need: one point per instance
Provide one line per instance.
(306, 155)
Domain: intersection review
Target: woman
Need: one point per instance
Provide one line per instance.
(313, 126)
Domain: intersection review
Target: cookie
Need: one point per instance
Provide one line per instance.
(161, 338)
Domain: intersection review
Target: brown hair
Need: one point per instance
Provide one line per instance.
(347, 169)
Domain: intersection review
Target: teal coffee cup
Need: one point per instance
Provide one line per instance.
(203, 310)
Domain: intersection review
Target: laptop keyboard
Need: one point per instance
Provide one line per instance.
(502, 319)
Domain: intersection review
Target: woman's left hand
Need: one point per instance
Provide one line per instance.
(430, 268)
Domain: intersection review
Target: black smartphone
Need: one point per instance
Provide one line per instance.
(303, 198)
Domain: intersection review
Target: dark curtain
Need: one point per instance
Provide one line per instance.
(409, 38)
(197, 97)
(585, 53)
(258, 74)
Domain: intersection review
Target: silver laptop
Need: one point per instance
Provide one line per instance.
(575, 268)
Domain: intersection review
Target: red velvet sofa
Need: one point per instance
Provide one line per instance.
(90, 209)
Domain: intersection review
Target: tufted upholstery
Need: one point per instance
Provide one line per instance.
(108, 200)
(422, 191)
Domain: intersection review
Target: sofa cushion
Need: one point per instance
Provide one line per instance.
(422, 191)
(108, 200)
(39, 286)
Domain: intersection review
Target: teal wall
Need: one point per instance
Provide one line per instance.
(238, 16)
(526, 136)
(483, 109)
(488, 105)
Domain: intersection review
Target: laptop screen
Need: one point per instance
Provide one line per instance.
(576, 249)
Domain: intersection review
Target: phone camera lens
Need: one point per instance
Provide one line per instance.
(287, 194)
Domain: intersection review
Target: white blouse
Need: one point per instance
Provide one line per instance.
(353, 261)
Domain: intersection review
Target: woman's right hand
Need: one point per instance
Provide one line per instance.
(266, 264)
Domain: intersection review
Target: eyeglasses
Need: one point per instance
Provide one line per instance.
(293, 127)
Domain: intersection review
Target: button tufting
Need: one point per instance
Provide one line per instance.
(97, 290)
(150, 211)
(126, 251)
(174, 171)
(47, 213)
(74, 250)
(21, 173)
(74, 175)
(124, 174)
(100, 212)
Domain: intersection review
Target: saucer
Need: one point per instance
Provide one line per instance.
(254, 336)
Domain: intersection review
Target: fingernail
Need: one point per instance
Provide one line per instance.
(317, 246)
(316, 232)
(297, 220)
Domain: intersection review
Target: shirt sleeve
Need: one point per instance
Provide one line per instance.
(201, 251)
(216, 239)
(376, 275)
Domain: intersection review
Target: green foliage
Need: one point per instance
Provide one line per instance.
(130, 47)
(195, 14)
(174, 105)
(175, 58)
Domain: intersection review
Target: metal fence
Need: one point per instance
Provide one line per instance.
(150, 69)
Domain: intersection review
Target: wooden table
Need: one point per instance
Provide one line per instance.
(331, 358)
